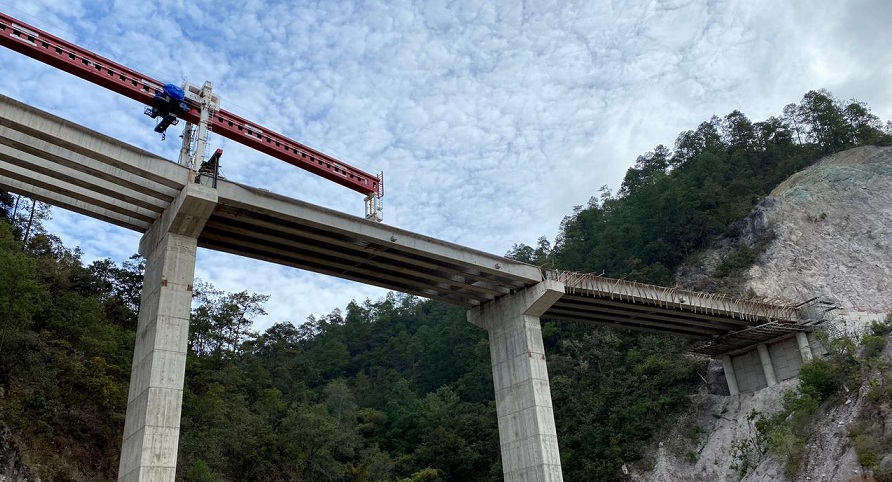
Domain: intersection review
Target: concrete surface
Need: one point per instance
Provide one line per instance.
(154, 402)
(527, 433)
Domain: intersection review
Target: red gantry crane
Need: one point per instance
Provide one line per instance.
(198, 106)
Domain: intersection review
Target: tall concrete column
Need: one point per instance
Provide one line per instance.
(804, 346)
(730, 376)
(767, 366)
(527, 433)
(154, 402)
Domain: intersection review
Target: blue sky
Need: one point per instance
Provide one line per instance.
(490, 120)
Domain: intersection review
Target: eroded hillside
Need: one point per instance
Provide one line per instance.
(826, 231)
(833, 233)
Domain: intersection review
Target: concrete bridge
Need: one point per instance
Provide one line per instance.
(63, 164)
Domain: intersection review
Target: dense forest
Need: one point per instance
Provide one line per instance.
(397, 389)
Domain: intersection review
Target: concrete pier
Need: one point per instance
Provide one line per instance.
(767, 366)
(804, 347)
(154, 402)
(527, 433)
(730, 376)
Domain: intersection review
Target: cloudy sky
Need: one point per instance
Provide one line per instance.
(490, 120)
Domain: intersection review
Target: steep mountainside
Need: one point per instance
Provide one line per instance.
(833, 228)
(826, 231)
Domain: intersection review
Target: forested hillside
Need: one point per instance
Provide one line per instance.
(397, 389)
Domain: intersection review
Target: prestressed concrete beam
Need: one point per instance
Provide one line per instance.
(632, 324)
(654, 314)
(291, 210)
(226, 217)
(71, 192)
(673, 297)
(90, 168)
(74, 205)
(278, 244)
(681, 316)
(341, 264)
(72, 137)
(26, 163)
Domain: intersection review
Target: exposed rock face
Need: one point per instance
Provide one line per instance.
(832, 225)
(11, 467)
(827, 232)
(730, 449)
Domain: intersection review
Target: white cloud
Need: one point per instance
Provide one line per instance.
(489, 121)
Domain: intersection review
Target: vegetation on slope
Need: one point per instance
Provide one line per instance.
(673, 203)
(399, 389)
(853, 371)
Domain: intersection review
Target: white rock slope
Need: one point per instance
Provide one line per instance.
(832, 227)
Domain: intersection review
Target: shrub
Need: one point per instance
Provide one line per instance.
(199, 472)
(738, 260)
(872, 345)
(881, 328)
(818, 379)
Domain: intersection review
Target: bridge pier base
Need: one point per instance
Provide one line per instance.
(154, 402)
(804, 346)
(767, 365)
(730, 375)
(527, 433)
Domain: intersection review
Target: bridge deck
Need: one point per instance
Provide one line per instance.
(66, 165)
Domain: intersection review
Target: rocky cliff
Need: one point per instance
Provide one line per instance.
(12, 469)
(827, 232)
(832, 226)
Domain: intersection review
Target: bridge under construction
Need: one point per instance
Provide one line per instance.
(63, 164)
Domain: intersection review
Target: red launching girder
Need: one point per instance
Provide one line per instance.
(87, 65)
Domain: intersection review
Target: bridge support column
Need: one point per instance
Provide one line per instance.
(527, 433)
(804, 346)
(154, 402)
(730, 376)
(767, 366)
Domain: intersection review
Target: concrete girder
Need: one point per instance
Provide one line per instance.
(673, 297)
(681, 316)
(670, 318)
(73, 194)
(22, 166)
(333, 265)
(632, 324)
(290, 210)
(66, 202)
(87, 167)
(282, 244)
(104, 149)
(454, 271)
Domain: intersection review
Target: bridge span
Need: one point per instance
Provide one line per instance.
(66, 165)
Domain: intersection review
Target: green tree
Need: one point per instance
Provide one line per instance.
(222, 322)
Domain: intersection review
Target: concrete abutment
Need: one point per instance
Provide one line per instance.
(527, 433)
(767, 364)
